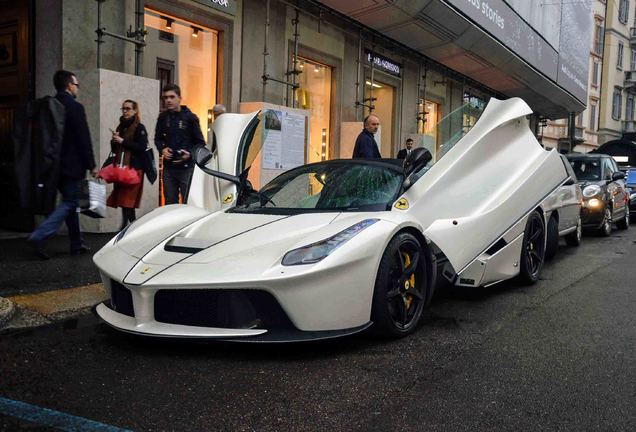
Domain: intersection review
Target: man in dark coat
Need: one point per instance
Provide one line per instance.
(406, 151)
(366, 147)
(177, 133)
(76, 157)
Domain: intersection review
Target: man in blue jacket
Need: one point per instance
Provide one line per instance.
(366, 147)
(76, 157)
(177, 132)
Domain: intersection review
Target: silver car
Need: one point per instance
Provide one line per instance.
(562, 209)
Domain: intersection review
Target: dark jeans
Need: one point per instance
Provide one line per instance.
(175, 181)
(66, 211)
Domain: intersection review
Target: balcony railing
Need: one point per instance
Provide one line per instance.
(629, 126)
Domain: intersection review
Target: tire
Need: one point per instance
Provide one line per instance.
(402, 287)
(533, 249)
(606, 229)
(574, 238)
(623, 224)
(552, 241)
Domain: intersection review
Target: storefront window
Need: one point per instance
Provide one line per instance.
(184, 53)
(428, 120)
(472, 109)
(314, 94)
(384, 105)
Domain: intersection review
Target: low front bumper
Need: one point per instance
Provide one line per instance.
(158, 329)
(153, 328)
(592, 216)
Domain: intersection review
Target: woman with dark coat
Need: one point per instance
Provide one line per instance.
(128, 145)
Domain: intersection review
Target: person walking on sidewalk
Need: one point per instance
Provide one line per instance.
(177, 132)
(76, 157)
(128, 145)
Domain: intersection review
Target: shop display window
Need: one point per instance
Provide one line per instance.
(183, 53)
(428, 120)
(314, 94)
(384, 108)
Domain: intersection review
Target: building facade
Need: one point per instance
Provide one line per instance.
(426, 68)
(556, 133)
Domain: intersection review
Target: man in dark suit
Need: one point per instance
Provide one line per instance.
(406, 151)
(366, 147)
(76, 157)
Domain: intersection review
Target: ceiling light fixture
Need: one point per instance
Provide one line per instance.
(195, 31)
(169, 22)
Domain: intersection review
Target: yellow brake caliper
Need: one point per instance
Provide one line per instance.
(410, 282)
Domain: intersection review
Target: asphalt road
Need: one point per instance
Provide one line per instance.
(25, 273)
(559, 355)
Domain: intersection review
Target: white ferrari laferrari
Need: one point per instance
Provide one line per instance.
(332, 248)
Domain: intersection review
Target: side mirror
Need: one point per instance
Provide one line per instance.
(415, 161)
(202, 156)
(618, 175)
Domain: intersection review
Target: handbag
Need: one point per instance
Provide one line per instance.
(119, 173)
(92, 198)
(148, 164)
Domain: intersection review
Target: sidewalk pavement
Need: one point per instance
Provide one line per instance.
(35, 292)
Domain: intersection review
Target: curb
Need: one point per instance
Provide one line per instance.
(7, 309)
(34, 310)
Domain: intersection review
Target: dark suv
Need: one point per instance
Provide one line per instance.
(604, 195)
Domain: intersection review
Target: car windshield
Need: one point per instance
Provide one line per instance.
(587, 169)
(340, 185)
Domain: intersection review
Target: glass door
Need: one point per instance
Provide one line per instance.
(384, 105)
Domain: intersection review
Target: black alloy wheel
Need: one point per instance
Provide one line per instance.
(606, 228)
(533, 249)
(401, 287)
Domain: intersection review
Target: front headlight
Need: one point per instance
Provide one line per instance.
(313, 253)
(591, 190)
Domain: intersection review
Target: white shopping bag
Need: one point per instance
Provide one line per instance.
(93, 198)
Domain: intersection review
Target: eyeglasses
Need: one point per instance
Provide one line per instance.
(124, 109)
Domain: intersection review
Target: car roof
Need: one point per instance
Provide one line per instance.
(393, 164)
(586, 156)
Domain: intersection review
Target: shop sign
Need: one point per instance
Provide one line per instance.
(227, 6)
(504, 24)
(383, 63)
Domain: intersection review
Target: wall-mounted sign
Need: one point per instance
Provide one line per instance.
(504, 24)
(383, 63)
(227, 6)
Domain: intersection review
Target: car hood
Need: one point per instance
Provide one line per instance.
(585, 183)
(231, 243)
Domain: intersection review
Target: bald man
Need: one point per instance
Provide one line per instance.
(217, 110)
(366, 147)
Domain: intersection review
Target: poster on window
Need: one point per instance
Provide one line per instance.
(272, 140)
(286, 129)
(294, 139)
